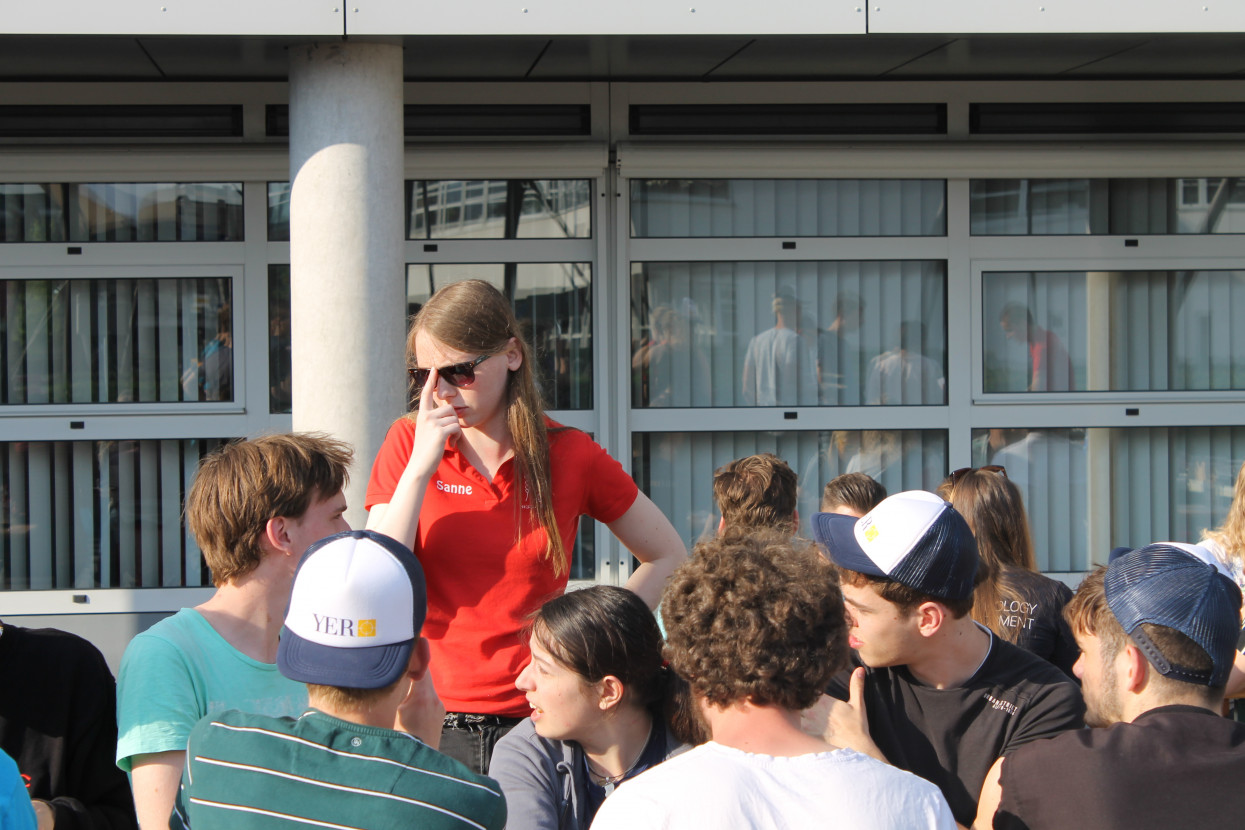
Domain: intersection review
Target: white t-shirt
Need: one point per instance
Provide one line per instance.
(720, 787)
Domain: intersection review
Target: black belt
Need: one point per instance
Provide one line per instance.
(474, 723)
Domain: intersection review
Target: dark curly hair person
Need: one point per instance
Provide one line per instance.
(755, 625)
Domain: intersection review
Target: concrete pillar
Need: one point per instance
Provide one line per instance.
(347, 277)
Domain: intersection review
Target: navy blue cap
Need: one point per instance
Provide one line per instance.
(1164, 585)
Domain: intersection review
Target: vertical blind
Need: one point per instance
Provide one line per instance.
(1089, 490)
(98, 514)
(1137, 331)
(788, 333)
(116, 341)
(676, 468)
(693, 208)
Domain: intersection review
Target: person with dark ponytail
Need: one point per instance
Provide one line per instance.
(488, 491)
(602, 705)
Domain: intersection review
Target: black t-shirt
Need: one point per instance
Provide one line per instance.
(1174, 766)
(1036, 615)
(58, 720)
(952, 737)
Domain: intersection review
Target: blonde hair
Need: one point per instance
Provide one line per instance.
(474, 317)
(1230, 536)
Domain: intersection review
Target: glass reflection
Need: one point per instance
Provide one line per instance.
(1137, 331)
(116, 341)
(1022, 207)
(1090, 490)
(788, 334)
(676, 469)
(499, 209)
(121, 212)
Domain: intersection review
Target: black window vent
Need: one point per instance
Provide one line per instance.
(121, 121)
(1107, 119)
(474, 120)
(789, 119)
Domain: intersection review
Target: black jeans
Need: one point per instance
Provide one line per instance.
(470, 738)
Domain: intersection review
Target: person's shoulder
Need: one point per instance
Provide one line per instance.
(169, 635)
(1011, 665)
(523, 742)
(54, 644)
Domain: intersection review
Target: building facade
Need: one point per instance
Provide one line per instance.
(864, 238)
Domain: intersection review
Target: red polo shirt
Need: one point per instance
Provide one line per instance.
(483, 580)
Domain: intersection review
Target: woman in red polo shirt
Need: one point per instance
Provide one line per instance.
(488, 493)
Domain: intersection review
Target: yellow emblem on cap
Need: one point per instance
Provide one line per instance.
(871, 533)
(367, 628)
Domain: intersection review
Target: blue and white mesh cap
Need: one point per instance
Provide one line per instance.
(356, 608)
(913, 538)
(1164, 585)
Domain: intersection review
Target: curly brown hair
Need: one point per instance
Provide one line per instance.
(755, 616)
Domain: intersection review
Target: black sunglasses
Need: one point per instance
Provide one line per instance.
(963, 471)
(460, 374)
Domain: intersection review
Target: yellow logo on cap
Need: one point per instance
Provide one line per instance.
(367, 628)
(871, 533)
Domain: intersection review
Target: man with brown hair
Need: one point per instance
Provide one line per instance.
(936, 694)
(1157, 630)
(756, 491)
(755, 624)
(852, 494)
(254, 508)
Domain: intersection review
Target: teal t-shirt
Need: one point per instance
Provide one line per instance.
(180, 670)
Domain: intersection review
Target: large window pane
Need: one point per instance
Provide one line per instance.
(116, 341)
(117, 212)
(788, 333)
(676, 469)
(553, 301)
(98, 514)
(787, 207)
(1089, 490)
(278, 211)
(499, 209)
(1136, 331)
(1022, 207)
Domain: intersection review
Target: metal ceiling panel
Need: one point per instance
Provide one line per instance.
(1188, 56)
(577, 17)
(1014, 56)
(173, 17)
(470, 58)
(1054, 16)
(71, 58)
(826, 56)
(250, 58)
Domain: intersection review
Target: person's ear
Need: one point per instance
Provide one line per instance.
(421, 655)
(930, 617)
(1132, 668)
(609, 692)
(276, 536)
(514, 355)
(721, 525)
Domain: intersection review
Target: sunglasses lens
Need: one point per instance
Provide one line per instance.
(460, 374)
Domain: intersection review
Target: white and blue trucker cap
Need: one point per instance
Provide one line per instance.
(1168, 585)
(913, 538)
(356, 609)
